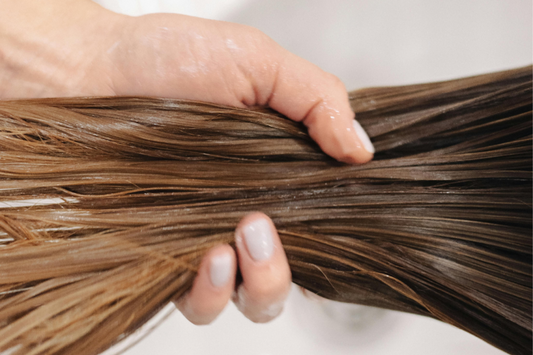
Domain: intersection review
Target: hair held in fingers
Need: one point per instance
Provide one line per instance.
(108, 205)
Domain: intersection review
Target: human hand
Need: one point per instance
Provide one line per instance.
(77, 48)
(266, 276)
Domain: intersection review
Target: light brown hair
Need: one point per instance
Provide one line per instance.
(138, 189)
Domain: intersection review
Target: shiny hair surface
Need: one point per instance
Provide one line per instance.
(107, 206)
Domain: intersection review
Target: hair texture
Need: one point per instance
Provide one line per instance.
(109, 204)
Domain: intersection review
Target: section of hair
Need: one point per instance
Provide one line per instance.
(108, 204)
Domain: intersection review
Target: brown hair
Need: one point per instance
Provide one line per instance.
(138, 189)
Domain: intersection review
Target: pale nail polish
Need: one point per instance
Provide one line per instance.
(367, 144)
(259, 239)
(220, 270)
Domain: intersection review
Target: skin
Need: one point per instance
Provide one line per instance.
(77, 48)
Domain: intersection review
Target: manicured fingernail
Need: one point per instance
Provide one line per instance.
(220, 270)
(259, 239)
(363, 137)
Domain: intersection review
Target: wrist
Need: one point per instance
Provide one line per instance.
(55, 49)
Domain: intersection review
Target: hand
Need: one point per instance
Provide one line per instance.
(77, 48)
(265, 273)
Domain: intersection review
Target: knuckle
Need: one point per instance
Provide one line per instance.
(336, 82)
(261, 39)
(257, 33)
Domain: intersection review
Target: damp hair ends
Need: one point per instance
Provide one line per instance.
(108, 205)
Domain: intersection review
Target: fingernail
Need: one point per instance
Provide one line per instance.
(220, 270)
(259, 240)
(363, 137)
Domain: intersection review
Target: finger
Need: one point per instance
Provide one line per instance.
(264, 268)
(212, 287)
(304, 92)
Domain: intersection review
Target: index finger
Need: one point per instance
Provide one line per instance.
(306, 93)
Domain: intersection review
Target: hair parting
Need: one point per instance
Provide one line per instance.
(107, 205)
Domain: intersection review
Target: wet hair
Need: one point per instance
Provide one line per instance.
(107, 206)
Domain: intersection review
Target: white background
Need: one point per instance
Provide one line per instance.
(364, 43)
